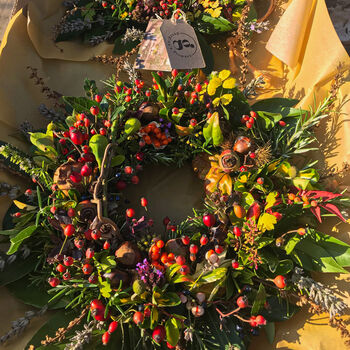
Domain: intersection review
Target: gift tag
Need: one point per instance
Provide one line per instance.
(153, 54)
(182, 45)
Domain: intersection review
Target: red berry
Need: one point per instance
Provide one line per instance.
(158, 334)
(260, 320)
(203, 240)
(180, 87)
(94, 110)
(76, 136)
(198, 88)
(117, 89)
(135, 179)
(185, 240)
(71, 212)
(192, 101)
(128, 170)
(130, 213)
(69, 230)
(237, 231)
(139, 156)
(61, 268)
(260, 180)
(87, 234)
(160, 244)
(219, 249)
(242, 168)
(280, 281)
(86, 170)
(103, 131)
(253, 114)
(75, 177)
(68, 260)
(242, 302)
(53, 281)
(95, 235)
(193, 257)
(248, 125)
(104, 4)
(180, 260)
(87, 269)
(175, 110)
(138, 317)
(235, 264)
(17, 215)
(144, 202)
(184, 270)
(251, 120)
(66, 276)
(113, 326)
(127, 98)
(167, 343)
(93, 279)
(147, 312)
(62, 141)
(105, 338)
(89, 253)
(121, 185)
(252, 155)
(174, 73)
(193, 122)
(209, 220)
(98, 98)
(113, 7)
(148, 93)
(252, 321)
(193, 249)
(106, 245)
(86, 122)
(282, 123)
(79, 243)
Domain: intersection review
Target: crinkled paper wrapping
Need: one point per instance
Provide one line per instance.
(304, 40)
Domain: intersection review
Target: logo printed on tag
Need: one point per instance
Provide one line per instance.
(182, 44)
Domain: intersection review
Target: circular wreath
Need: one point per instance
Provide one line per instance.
(239, 263)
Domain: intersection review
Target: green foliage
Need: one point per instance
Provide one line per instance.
(98, 144)
(17, 240)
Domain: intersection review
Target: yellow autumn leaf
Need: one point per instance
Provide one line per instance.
(229, 83)
(225, 184)
(224, 74)
(216, 102)
(226, 99)
(215, 4)
(205, 3)
(214, 13)
(22, 206)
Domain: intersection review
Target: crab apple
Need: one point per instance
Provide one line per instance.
(87, 269)
(219, 249)
(280, 281)
(128, 170)
(235, 264)
(135, 179)
(260, 180)
(144, 202)
(121, 185)
(158, 334)
(193, 122)
(61, 268)
(53, 281)
(76, 136)
(94, 110)
(68, 260)
(184, 270)
(95, 235)
(113, 326)
(138, 317)
(105, 338)
(98, 98)
(69, 230)
(130, 213)
(89, 253)
(185, 240)
(242, 302)
(204, 240)
(180, 260)
(209, 220)
(193, 249)
(79, 243)
(260, 320)
(237, 231)
(66, 276)
(86, 170)
(106, 245)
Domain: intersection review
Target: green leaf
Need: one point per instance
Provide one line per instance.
(274, 105)
(117, 160)
(132, 125)
(161, 84)
(161, 298)
(19, 238)
(247, 200)
(79, 104)
(270, 331)
(282, 268)
(44, 142)
(154, 317)
(267, 222)
(264, 241)
(293, 241)
(213, 276)
(105, 289)
(172, 331)
(98, 144)
(211, 130)
(238, 186)
(19, 268)
(207, 54)
(259, 300)
(70, 120)
(219, 24)
(11, 232)
(279, 309)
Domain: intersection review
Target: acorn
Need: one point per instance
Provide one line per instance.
(242, 144)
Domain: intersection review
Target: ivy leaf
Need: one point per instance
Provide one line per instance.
(211, 130)
(19, 238)
(259, 301)
(98, 144)
(267, 222)
(172, 331)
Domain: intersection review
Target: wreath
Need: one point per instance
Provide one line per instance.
(238, 264)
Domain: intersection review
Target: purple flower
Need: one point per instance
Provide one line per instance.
(149, 275)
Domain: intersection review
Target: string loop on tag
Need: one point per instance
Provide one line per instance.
(158, 17)
(178, 12)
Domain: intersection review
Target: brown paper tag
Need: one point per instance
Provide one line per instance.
(182, 45)
(153, 54)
